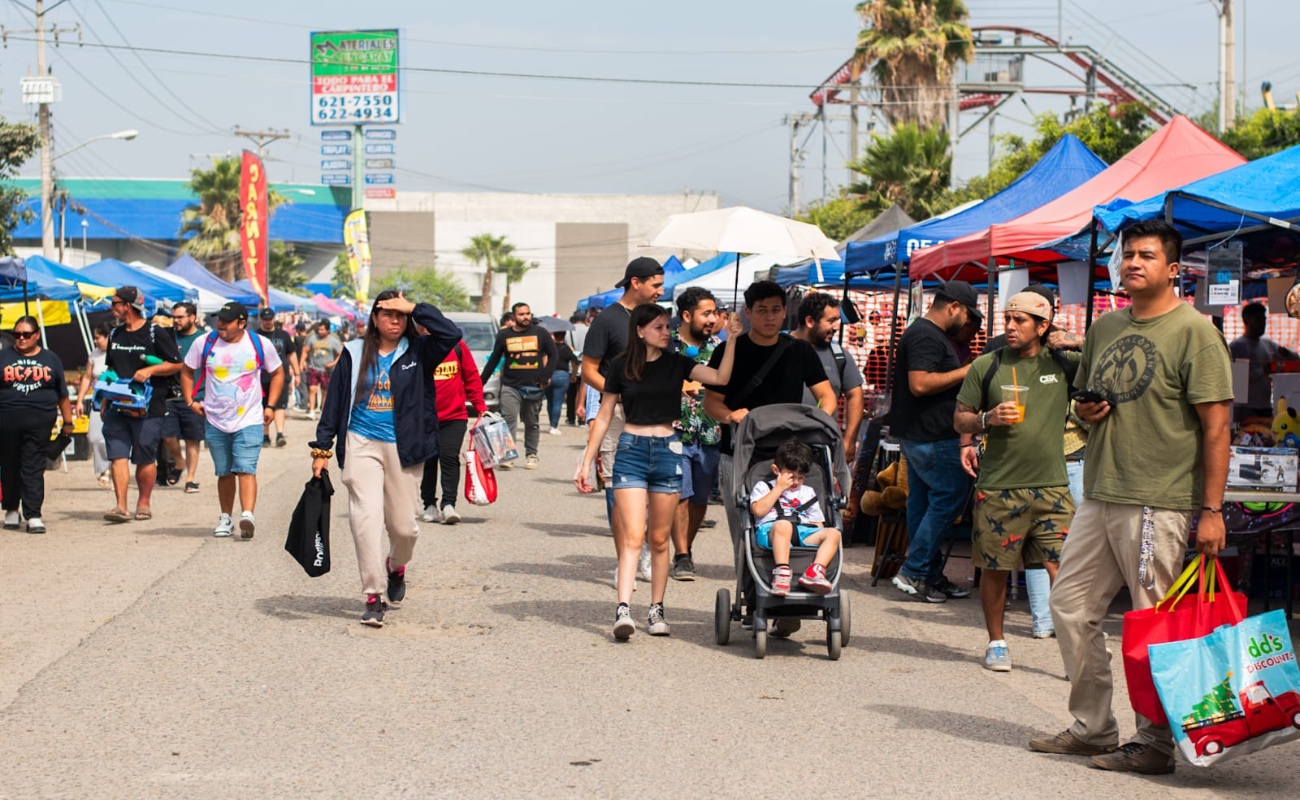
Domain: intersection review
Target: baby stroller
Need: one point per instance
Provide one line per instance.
(756, 441)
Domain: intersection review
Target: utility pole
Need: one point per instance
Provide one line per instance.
(796, 155)
(262, 138)
(1227, 67)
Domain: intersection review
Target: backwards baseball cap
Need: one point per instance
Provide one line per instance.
(640, 268)
(267, 313)
(962, 292)
(1035, 300)
(232, 312)
(132, 297)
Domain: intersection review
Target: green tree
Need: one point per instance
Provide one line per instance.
(514, 268)
(910, 167)
(341, 284)
(210, 229)
(487, 251)
(911, 47)
(283, 270)
(838, 217)
(427, 285)
(17, 144)
(1264, 132)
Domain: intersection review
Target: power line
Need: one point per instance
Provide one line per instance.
(68, 63)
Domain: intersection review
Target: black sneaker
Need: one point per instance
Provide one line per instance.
(280, 441)
(950, 589)
(624, 627)
(375, 608)
(683, 568)
(266, 441)
(918, 590)
(397, 587)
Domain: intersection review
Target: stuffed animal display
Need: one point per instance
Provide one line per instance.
(893, 491)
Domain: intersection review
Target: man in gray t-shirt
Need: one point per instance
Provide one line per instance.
(819, 325)
(323, 351)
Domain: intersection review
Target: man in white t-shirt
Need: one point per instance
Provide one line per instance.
(227, 366)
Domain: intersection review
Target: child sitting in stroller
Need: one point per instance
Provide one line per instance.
(788, 513)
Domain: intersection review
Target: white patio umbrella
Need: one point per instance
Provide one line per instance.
(745, 230)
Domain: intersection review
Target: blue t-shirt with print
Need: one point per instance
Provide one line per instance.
(373, 416)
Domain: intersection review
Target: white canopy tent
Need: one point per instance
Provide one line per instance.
(209, 302)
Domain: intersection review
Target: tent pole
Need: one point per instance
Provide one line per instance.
(988, 327)
(843, 300)
(1092, 276)
(735, 286)
(40, 317)
(893, 335)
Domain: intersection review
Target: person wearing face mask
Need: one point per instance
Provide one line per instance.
(32, 391)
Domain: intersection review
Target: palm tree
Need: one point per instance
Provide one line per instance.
(910, 167)
(487, 251)
(912, 47)
(514, 268)
(210, 230)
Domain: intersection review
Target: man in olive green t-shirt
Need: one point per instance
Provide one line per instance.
(1157, 454)
(1022, 496)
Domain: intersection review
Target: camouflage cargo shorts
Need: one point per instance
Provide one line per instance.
(1010, 523)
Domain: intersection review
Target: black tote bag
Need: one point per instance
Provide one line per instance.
(309, 528)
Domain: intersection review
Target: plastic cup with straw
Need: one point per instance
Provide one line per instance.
(1016, 393)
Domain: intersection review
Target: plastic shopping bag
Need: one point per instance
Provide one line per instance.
(480, 481)
(491, 439)
(1233, 692)
(1175, 618)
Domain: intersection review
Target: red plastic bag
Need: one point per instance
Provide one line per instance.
(480, 481)
(1174, 621)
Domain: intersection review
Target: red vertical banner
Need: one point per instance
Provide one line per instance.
(253, 228)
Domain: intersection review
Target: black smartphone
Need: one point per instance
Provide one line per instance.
(1088, 396)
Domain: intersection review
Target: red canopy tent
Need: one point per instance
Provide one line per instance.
(1177, 154)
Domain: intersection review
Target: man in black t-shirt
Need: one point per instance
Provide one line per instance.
(131, 347)
(927, 377)
(796, 366)
(284, 348)
(529, 352)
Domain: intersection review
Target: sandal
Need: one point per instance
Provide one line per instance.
(143, 514)
(106, 480)
(117, 515)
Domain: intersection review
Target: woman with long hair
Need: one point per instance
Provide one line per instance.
(648, 379)
(32, 391)
(381, 407)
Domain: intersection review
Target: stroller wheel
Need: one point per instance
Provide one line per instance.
(846, 616)
(760, 642)
(722, 617)
(833, 644)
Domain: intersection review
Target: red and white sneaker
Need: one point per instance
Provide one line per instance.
(814, 580)
(781, 581)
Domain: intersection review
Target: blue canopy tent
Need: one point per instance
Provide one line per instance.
(19, 280)
(194, 272)
(111, 272)
(672, 267)
(281, 301)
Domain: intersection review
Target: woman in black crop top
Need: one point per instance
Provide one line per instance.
(648, 379)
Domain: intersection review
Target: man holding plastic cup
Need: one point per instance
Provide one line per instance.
(1017, 398)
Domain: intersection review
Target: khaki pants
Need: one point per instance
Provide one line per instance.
(1101, 555)
(382, 495)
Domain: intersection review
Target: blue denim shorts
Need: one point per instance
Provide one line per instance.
(234, 452)
(763, 535)
(648, 462)
(699, 471)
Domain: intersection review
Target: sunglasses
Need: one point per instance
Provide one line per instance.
(118, 303)
(24, 334)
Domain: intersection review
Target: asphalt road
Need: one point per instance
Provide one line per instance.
(150, 660)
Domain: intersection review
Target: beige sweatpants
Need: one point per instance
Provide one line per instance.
(382, 495)
(1101, 555)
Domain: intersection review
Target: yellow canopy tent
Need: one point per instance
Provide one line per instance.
(51, 312)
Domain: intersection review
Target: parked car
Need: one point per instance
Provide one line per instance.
(480, 333)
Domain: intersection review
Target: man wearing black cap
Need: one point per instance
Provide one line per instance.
(283, 344)
(140, 351)
(528, 350)
(927, 376)
(643, 282)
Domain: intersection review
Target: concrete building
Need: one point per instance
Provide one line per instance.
(581, 243)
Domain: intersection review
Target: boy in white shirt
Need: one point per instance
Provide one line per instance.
(786, 508)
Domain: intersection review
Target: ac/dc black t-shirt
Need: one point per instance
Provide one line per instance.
(31, 383)
(797, 367)
(656, 399)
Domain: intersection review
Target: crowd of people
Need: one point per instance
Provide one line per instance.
(1084, 459)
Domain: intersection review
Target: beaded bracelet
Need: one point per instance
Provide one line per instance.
(316, 452)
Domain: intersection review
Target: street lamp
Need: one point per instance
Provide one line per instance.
(47, 188)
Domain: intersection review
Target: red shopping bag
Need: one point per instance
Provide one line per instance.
(480, 481)
(1174, 620)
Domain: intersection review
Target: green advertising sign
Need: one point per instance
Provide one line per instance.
(354, 77)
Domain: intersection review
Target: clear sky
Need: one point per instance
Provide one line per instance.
(476, 132)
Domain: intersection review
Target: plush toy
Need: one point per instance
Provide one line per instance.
(893, 493)
(1286, 426)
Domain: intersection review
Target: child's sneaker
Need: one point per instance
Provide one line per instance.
(814, 580)
(624, 627)
(781, 581)
(658, 626)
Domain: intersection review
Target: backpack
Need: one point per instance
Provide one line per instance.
(209, 342)
(1069, 369)
(841, 360)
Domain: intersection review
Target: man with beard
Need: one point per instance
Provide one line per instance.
(819, 325)
(700, 433)
(181, 423)
(927, 376)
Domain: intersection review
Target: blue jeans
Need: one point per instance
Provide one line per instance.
(555, 396)
(937, 489)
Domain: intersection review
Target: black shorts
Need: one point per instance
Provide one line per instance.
(280, 404)
(182, 422)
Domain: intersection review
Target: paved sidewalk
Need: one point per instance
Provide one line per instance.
(152, 660)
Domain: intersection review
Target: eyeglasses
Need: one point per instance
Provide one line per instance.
(118, 303)
(24, 334)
